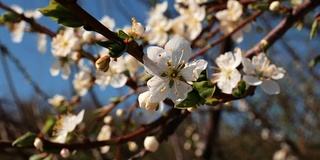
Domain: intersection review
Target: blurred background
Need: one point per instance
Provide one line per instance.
(256, 127)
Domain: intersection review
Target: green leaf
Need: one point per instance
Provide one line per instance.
(25, 140)
(50, 122)
(192, 100)
(116, 48)
(240, 90)
(123, 34)
(203, 76)
(212, 101)
(205, 88)
(314, 62)
(314, 28)
(9, 17)
(61, 14)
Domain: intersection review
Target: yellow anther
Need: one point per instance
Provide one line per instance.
(182, 51)
(159, 55)
(176, 93)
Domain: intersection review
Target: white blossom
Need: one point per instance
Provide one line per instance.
(230, 18)
(191, 16)
(82, 81)
(115, 75)
(259, 71)
(104, 134)
(171, 70)
(158, 25)
(66, 124)
(229, 76)
(144, 101)
(57, 100)
(151, 143)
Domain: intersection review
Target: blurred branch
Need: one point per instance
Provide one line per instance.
(31, 21)
(90, 23)
(283, 26)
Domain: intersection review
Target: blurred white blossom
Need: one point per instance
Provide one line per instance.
(259, 71)
(66, 124)
(229, 76)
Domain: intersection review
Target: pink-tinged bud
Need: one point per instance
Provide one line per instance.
(102, 64)
(65, 153)
(151, 143)
(136, 30)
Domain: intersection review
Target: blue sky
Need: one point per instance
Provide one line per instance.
(37, 64)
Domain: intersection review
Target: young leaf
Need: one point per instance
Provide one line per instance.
(61, 14)
(314, 62)
(192, 100)
(9, 17)
(25, 140)
(240, 90)
(116, 48)
(205, 88)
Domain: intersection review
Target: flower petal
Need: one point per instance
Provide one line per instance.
(55, 69)
(179, 91)
(254, 81)
(195, 68)
(118, 80)
(270, 87)
(179, 48)
(159, 89)
(155, 60)
(248, 67)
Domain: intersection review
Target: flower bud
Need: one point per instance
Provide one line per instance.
(88, 37)
(132, 146)
(102, 64)
(144, 101)
(274, 6)
(136, 30)
(65, 153)
(151, 144)
(38, 143)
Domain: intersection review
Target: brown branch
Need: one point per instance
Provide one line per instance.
(283, 26)
(222, 38)
(36, 26)
(93, 24)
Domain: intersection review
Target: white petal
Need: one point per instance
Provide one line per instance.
(270, 87)
(248, 67)
(55, 69)
(61, 138)
(195, 68)
(118, 80)
(254, 81)
(179, 48)
(65, 71)
(237, 36)
(155, 60)
(179, 91)
(159, 89)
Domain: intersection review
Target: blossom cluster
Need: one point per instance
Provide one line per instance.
(257, 71)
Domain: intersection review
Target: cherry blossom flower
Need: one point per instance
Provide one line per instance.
(191, 16)
(82, 81)
(230, 18)
(171, 70)
(115, 75)
(16, 28)
(259, 71)
(158, 25)
(57, 100)
(144, 101)
(66, 124)
(229, 76)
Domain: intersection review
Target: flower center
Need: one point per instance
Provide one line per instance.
(172, 72)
